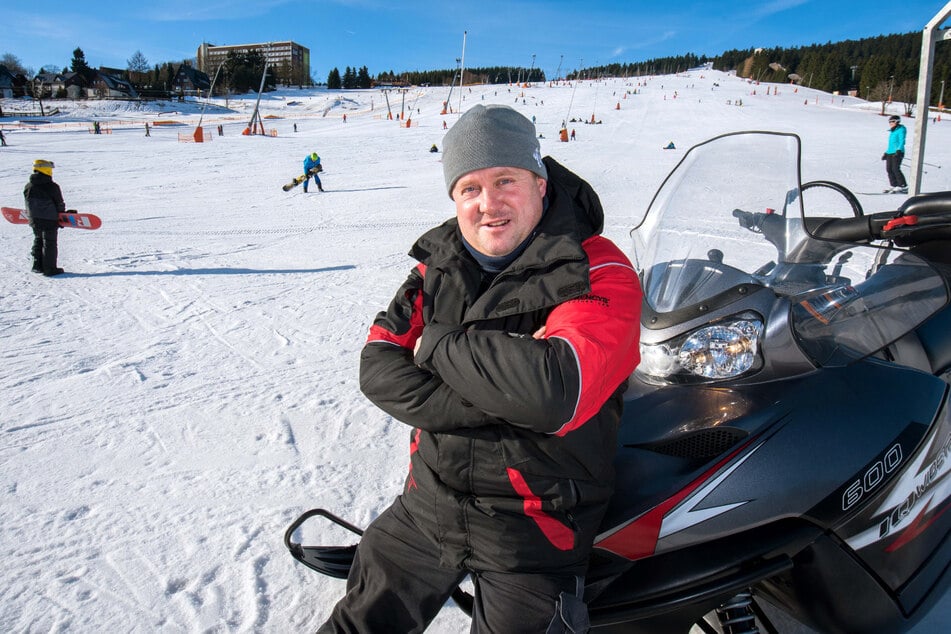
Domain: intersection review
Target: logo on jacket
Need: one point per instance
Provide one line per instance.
(590, 297)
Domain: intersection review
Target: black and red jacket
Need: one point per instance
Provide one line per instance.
(43, 198)
(514, 438)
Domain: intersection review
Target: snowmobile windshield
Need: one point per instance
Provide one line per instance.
(733, 215)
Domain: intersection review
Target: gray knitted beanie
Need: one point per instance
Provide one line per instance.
(490, 136)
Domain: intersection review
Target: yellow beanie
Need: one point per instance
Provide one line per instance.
(44, 167)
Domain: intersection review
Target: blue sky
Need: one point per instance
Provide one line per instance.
(386, 35)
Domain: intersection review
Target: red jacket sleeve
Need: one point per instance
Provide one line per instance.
(602, 327)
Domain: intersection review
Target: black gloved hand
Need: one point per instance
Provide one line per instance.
(884, 156)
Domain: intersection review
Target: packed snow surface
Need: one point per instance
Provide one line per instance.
(190, 386)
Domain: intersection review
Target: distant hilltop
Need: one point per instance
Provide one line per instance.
(878, 68)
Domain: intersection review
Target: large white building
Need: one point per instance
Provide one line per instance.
(289, 61)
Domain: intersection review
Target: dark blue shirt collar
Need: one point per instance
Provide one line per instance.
(498, 263)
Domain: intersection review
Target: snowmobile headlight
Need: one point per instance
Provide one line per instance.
(718, 351)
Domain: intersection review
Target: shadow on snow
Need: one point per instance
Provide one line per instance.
(223, 271)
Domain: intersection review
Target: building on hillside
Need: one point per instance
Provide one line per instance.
(188, 80)
(108, 86)
(59, 85)
(289, 61)
(7, 82)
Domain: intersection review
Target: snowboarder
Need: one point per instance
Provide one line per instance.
(894, 155)
(311, 168)
(510, 469)
(44, 203)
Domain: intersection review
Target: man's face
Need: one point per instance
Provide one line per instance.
(498, 207)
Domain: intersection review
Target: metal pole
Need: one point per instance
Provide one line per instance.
(256, 114)
(930, 36)
(462, 72)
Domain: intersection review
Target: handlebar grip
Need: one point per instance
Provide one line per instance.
(860, 229)
(747, 219)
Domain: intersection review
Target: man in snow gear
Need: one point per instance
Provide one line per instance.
(507, 350)
(894, 155)
(44, 202)
(312, 168)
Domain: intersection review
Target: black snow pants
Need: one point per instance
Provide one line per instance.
(44, 245)
(397, 585)
(893, 167)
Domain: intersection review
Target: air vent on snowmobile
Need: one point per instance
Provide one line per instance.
(705, 443)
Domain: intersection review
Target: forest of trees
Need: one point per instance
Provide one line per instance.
(242, 72)
(655, 66)
(353, 78)
(874, 68)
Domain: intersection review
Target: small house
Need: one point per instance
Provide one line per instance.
(190, 81)
(59, 85)
(106, 86)
(7, 80)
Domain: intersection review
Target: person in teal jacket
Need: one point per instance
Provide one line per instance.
(311, 168)
(893, 156)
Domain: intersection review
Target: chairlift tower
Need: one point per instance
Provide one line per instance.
(931, 35)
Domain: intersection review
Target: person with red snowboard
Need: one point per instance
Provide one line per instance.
(44, 203)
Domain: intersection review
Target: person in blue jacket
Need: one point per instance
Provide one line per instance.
(311, 168)
(893, 156)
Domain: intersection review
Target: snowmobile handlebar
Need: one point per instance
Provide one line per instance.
(920, 219)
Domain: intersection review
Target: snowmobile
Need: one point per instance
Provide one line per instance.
(783, 454)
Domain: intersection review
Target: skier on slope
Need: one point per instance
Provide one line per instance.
(44, 203)
(894, 155)
(311, 168)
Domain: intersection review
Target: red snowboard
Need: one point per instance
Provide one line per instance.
(71, 218)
